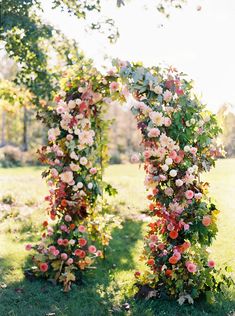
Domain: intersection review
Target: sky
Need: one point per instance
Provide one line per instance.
(199, 43)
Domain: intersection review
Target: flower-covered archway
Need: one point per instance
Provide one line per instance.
(177, 133)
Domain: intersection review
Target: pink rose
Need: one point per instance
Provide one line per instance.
(93, 171)
(68, 218)
(64, 256)
(206, 221)
(211, 264)
(135, 158)
(52, 249)
(54, 173)
(114, 86)
(92, 249)
(177, 255)
(173, 154)
(186, 226)
(169, 191)
(56, 252)
(99, 253)
(198, 196)
(189, 194)
(147, 154)
(167, 96)
(43, 266)
(69, 261)
(60, 241)
(193, 150)
(153, 238)
(191, 267)
(154, 132)
(81, 229)
(28, 247)
(167, 121)
(69, 137)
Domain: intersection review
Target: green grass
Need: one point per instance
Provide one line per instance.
(106, 289)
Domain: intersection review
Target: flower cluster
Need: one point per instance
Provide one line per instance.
(178, 137)
(75, 157)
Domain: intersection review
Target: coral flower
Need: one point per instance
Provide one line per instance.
(173, 260)
(173, 234)
(150, 262)
(43, 266)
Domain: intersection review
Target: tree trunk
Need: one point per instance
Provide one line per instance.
(25, 130)
(3, 140)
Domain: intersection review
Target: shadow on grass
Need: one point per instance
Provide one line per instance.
(39, 297)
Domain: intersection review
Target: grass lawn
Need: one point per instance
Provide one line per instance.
(106, 289)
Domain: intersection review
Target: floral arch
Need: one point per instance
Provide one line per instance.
(177, 133)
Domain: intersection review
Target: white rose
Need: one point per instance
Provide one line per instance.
(78, 101)
(90, 185)
(158, 90)
(165, 167)
(190, 170)
(83, 161)
(186, 148)
(179, 182)
(62, 93)
(195, 168)
(173, 173)
(72, 104)
(192, 121)
(168, 161)
(73, 156)
(200, 123)
(79, 185)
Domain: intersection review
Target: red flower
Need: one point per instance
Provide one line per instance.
(83, 107)
(72, 226)
(173, 260)
(45, 224)
(173, 234)
(82, 254)
(65, 242)
(151, 262)
(57, 98)
(64, 203)
(151, 207)
(137, 274)
(43, 266)
(82, 242)
(168, 273)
